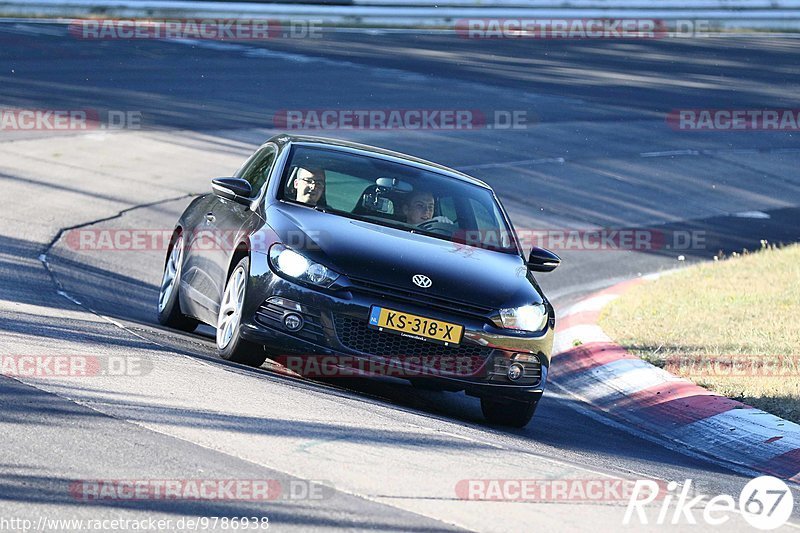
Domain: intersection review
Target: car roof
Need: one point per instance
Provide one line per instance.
(326, 142)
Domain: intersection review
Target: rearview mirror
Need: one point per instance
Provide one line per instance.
(541, 260)
(394, 185)
(235, 189)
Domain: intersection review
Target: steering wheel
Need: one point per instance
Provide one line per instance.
(440, 228)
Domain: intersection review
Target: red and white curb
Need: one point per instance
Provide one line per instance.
(592, 367)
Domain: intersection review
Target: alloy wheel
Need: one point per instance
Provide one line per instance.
(171, 274)
(230, 311)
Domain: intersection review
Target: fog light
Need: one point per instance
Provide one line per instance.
(515, 372)
(293, 321)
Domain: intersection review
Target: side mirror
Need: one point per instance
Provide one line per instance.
(235, 189)
(542, 260)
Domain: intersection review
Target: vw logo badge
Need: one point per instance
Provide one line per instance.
(421, 280)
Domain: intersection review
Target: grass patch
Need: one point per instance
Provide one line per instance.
(732, 326)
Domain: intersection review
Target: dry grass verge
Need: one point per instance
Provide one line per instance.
(732, 326)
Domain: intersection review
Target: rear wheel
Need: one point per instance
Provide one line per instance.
(230, 344)
(512, 413)
(169, 306)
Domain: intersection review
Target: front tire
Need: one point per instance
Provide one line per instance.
(230, 344)
(169, 306)
(514, 413)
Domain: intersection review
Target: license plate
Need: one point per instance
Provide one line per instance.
(415, 327)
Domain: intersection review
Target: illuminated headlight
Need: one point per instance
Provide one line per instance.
(527, 317)
(297, 266)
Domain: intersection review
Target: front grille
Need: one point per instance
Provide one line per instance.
(382, 291)
(356, 335)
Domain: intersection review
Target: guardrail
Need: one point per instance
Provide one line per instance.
(721, 14)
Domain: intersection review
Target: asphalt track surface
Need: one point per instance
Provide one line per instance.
(597, 152)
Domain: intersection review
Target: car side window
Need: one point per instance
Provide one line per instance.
(258, 169)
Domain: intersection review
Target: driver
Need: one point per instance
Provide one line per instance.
(310, 185)
(420, 207)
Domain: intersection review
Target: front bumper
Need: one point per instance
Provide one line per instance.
(335, 325)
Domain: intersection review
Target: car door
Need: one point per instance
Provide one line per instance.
(200, 273)
(234, 221)
(219, 226)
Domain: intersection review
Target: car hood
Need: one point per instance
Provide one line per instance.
(388, 256)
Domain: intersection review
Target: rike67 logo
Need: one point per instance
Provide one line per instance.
(765, 503)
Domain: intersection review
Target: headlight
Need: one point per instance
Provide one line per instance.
(294, 265)
(527, 317)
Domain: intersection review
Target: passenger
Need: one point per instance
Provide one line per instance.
(309, 185)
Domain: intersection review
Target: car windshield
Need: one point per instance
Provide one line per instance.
(393, 194)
